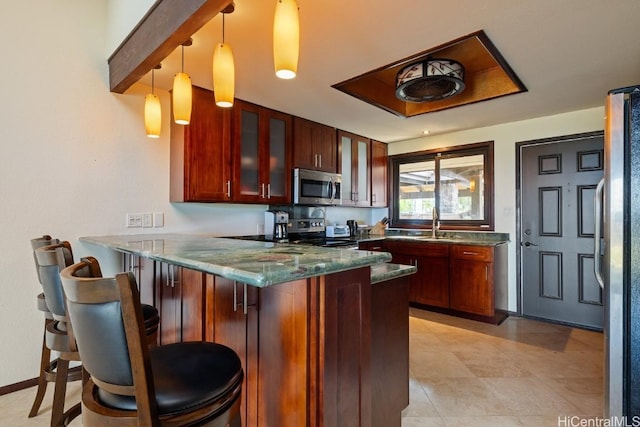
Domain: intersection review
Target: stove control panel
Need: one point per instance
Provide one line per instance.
(306, 225)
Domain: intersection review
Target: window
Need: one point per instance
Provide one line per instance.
(456, 181)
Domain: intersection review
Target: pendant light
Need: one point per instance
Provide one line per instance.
(181, 93)
(224, 69)
(152, 111)
(286, 39)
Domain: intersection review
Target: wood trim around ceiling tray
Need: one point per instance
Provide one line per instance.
(487, 76)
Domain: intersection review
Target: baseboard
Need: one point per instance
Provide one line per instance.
(18, 386)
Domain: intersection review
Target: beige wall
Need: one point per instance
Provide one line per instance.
(505, 137)
(74, 159)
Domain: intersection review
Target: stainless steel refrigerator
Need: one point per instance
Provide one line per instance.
(618, 252)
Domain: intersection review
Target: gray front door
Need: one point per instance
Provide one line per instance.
(557, 223)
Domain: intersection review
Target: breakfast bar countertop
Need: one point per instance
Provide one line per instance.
(255, 263)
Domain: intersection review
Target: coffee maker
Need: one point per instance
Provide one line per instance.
(276, 225)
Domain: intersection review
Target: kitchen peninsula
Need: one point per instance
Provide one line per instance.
(322, 333)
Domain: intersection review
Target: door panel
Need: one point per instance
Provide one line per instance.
(557, 223)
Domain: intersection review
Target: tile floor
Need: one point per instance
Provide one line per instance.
(464, 373)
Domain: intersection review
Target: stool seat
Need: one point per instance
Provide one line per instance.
(179, 386)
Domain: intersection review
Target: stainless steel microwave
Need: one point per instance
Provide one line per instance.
(316, 188)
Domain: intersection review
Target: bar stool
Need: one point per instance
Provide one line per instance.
(50, 260)
(181, 384)
(48, 367)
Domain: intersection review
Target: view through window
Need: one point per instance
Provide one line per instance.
(453, 182)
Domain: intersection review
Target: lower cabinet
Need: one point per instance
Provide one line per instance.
(430, 285)
(472, 279)
(465, 280)
(305, 345)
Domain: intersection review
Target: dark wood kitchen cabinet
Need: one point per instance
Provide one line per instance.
(180, 300)
(355, 166)
(463, 280)
(379, 173)
(200, 153)
(472, 279)
(315, 146)
(236, 326)
(262, 156)
(430, 285)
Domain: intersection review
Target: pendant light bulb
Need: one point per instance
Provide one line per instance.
(152, 112)
(286, 39)
(223, 73)
(181, 96)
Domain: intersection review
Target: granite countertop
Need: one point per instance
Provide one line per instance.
(387, 271)
(255, 263)
(472, 238)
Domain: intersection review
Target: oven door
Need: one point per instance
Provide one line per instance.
(316, 188)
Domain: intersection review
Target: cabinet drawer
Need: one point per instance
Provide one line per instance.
(417, 248)
(475, 253)
(372, 245)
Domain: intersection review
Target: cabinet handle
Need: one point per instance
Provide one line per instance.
(269, 191)
(376, 248)
(262, 190)
(172, 276)
(469, 253)
(486, 273)
(245, 303)
(235, 296)
(229, 188)
(373, 197)
(245, 300)
(132, 265)
(315, 160)
(319, 160)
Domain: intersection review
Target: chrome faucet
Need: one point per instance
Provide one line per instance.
(435, 223)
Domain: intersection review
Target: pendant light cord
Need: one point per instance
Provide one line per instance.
(153, 74)
(223, 27)
(183, 58)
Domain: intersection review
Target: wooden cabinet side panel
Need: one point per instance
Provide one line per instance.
(379, 173)
(390, 351)
(283, 380)
(345, 336)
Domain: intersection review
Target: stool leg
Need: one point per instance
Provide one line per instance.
(45, 357)
(57, 409)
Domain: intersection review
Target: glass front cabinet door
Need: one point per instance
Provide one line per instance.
(262, 143)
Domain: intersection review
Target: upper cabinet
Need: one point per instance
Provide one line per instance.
(246, 154)
(379, 173)
(201, 153)
(261, 160)
(314, 146)
(355, 168)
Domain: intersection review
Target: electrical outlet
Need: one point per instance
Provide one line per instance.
(158, 219)
(147, 219)
(134, 220)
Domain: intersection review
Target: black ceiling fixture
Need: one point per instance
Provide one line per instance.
(430, 80)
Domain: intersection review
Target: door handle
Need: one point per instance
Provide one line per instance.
(527, 244)
(597, 233)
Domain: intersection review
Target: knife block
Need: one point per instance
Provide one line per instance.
(378, 228)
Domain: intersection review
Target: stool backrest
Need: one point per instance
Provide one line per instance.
(106, 318)
(50, 260)
(39, 242)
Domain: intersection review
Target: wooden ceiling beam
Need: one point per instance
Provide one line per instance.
(167, 25)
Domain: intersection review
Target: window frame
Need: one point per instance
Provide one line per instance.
(437, 154)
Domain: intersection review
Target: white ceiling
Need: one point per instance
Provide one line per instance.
(568, 53)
